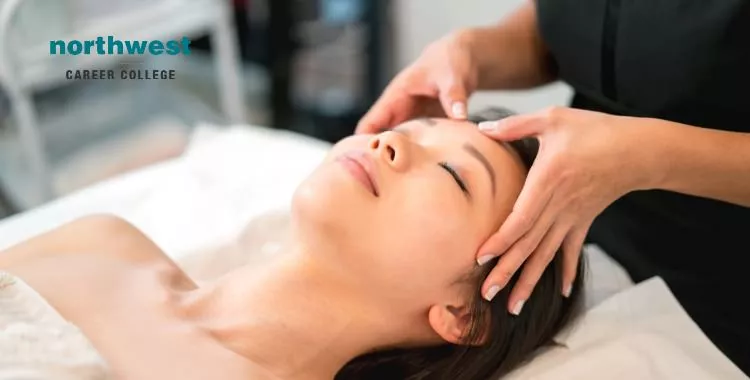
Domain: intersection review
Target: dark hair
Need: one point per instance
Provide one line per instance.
(526, 148)
(508, 340)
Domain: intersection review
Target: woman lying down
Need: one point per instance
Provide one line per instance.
(379, 280)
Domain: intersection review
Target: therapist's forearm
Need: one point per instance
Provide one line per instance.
(698, 161)
(511, 54)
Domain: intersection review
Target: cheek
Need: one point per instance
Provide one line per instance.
(433, 226)
(429, 239)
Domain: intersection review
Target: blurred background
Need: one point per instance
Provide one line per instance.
(308, 66)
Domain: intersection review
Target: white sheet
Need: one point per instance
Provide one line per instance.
(640, 333)
(200, 200)
(229, 177)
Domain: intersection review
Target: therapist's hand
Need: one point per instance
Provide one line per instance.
(437, 84)
(586, 161)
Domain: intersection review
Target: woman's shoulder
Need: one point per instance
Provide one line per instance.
(89, 259)
(98, 237)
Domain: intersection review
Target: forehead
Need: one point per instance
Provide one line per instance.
(461, 131)
(453, 128)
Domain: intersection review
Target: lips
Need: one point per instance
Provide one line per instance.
(361, 167)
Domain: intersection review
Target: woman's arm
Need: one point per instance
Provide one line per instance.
(698, 161)
(511, 54)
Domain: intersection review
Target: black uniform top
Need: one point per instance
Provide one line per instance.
(682, 60)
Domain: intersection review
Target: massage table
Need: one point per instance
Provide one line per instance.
(231, 177)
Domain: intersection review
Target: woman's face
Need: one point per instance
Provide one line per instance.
(405, 211)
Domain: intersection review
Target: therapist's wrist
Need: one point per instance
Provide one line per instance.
(482, 45)
(506, 58)
(485, 48)
(650, 141)
(469, 41)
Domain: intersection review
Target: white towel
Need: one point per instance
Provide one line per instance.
(36, 343)
(640, 333)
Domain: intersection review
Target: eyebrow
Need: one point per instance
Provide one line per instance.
(468, 147)
(486, 163)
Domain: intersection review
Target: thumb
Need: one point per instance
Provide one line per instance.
(454, 99)
(512, 127)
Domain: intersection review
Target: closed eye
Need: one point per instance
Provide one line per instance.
(459, 181)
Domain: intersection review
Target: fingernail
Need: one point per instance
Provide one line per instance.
(458, 109)
(567, 291)
(518, 307)
(484, 259)
(487, 126)
(491, 293)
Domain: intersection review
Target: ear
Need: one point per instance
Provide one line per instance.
(450, 322)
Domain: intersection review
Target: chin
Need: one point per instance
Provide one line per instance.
(324, 221)
(325, 203)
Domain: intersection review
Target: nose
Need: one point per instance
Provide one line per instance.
(392, 148)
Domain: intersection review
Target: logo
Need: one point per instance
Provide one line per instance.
(110, 46)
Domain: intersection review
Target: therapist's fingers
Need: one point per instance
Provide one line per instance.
(390, 110)
(453, 98)
(378, 117)
(516, 255)
(401, 100)
(572, 246)
(535, 267)
(514, 127)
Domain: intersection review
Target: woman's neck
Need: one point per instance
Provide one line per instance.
(293, 317)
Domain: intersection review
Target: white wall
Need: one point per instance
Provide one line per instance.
(419, 22)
